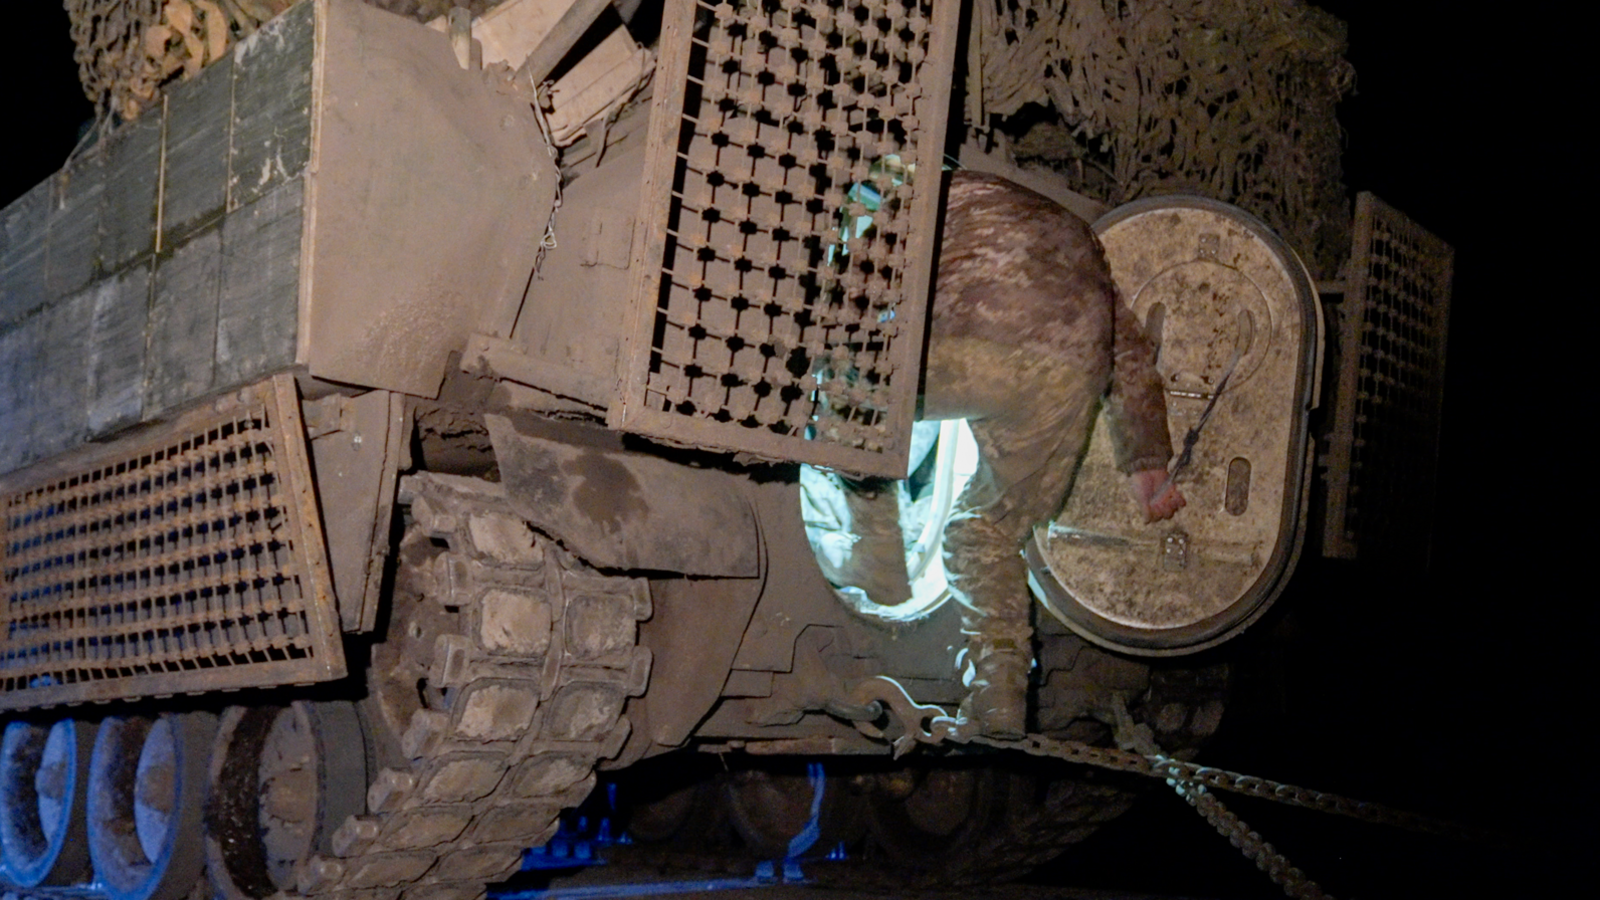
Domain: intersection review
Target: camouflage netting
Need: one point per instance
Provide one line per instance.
(1230, 98)
(128, 49)
(426, 10)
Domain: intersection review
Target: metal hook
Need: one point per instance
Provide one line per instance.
(920, 723)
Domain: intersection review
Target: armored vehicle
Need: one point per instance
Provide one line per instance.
(407, 416)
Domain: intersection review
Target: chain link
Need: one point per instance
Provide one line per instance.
(1178, 776)
(1169, 769)
(1266, 857)
(1194, 784)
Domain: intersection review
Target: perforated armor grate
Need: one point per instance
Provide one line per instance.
(189, 560)
(1383, 455)
(790, 204)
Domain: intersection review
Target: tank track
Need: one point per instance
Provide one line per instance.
(524, 657)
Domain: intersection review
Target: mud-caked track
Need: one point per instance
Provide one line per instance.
(504, 675)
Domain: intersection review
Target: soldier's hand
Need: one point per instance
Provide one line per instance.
(1144, 484)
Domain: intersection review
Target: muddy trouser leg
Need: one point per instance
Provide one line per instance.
(876, 563)
(1030, 414)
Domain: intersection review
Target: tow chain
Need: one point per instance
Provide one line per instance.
(1185, 779)
(1266, 857)
(915, 723)
(1169, 769)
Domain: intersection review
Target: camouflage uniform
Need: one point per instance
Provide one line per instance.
(1028, 334)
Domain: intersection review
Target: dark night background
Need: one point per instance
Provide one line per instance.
(1462, 692)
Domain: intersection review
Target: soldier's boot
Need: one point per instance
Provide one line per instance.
(996, 703)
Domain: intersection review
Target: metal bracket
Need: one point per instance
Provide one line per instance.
(910, 723)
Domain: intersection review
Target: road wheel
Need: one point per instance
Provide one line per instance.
(282, 779)
(769, 805)
(147, 786)
(43, 773)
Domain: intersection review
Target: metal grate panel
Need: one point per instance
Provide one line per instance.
(767, 319)
(188, 559)
(1384, 446)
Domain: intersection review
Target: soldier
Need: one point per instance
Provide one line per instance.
(1028, 334)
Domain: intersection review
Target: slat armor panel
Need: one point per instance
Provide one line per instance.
(189, 560)
(769, 316)
(1383, 454)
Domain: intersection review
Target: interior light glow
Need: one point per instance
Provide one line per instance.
(925, 508)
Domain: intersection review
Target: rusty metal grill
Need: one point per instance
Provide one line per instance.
(1384, 447)
(787, 230)
(189, 559)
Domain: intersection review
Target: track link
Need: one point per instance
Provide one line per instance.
(502, 682)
